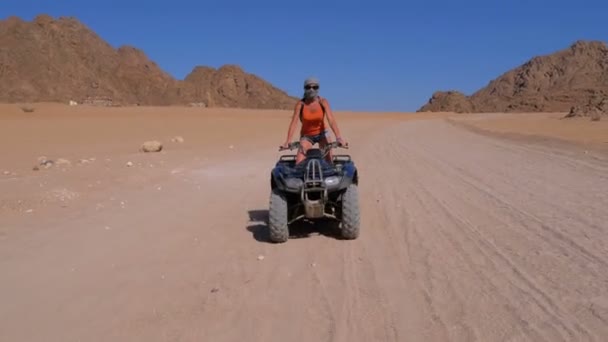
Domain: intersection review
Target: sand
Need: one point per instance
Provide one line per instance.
(468, 232)
(553, 126)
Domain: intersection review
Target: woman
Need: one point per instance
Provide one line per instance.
(311, 111)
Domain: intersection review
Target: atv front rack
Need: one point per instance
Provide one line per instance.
(314, 191)
(287, 157)
(344, 158)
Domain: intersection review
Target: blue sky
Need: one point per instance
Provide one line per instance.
(377, 55)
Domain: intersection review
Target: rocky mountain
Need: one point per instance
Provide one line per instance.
(448, 101)
(230, 86)
(551, 83)
(59, 60)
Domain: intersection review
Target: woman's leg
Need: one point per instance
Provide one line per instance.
(324, 141)
(305, 144)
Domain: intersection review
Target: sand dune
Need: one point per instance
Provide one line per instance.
(466, 235)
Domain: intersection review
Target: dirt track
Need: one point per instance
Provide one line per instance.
(464, 237)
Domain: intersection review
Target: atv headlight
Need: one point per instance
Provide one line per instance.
(332, 181)
(293, 183)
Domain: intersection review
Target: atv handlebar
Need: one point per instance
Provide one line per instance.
(296, 144)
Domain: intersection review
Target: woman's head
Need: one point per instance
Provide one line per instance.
(311, 88)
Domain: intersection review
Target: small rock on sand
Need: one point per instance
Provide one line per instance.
(6, 173)
(152, 146)
(260, 257)
(63, 161)
(45, 162)
(177, 139)
(129, 164)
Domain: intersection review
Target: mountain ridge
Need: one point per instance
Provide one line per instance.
(60, 60)
(554, 82)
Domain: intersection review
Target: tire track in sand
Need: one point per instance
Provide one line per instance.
(441, 191)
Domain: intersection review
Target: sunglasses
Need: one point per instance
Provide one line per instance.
(315, 87)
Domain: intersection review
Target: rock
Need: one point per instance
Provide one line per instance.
(63, 161)
(260, 257)
(177, 139)
(6, 173)
(594, 108)
(152, 146)
(45, 162)
(129, 164)
(28, 109)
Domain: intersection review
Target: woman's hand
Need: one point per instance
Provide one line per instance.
(342, 141)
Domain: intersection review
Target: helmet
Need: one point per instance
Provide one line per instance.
(311, 80)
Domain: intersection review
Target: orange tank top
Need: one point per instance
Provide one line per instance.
(312, 119)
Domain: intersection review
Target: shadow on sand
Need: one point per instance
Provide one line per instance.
(258, 227)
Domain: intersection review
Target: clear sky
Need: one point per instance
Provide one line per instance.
(375, 55)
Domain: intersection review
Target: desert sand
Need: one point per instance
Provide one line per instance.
(468, 233)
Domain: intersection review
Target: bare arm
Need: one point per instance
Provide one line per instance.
(332, 121)
(293, 124)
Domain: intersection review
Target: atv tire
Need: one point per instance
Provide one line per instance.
(350, 213)
(277, 218)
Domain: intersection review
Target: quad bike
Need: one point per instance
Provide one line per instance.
(312, 190)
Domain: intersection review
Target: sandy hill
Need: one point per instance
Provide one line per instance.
(62, 60)
(557, 82)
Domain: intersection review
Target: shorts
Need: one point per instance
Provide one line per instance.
(315, 138)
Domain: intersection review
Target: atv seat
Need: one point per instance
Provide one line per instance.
(314, 153)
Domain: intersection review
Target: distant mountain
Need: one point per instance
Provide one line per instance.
(63, 60)
(230, 86)
(551, 83)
